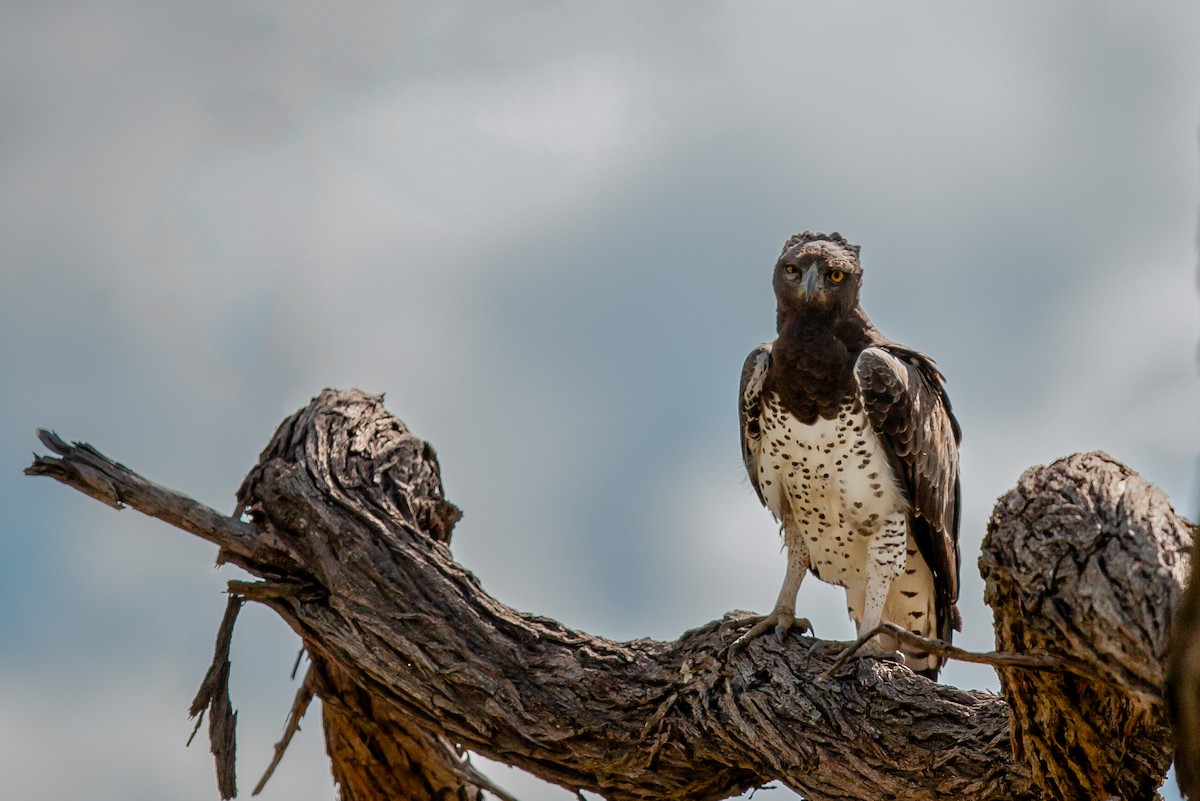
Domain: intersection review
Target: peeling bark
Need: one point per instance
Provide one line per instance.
(411, 658)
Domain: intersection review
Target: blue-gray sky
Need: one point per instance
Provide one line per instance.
(546, 231)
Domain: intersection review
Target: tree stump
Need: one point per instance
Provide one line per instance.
(1087, 560)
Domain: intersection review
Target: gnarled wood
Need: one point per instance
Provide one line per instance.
(349, 532)
(1087, 560)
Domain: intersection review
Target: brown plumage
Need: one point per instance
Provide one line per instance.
(849, 440)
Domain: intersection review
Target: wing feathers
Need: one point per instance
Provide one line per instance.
(908, 408)
(754, 374)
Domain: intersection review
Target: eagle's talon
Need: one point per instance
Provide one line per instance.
(781, 620)
(785, 623)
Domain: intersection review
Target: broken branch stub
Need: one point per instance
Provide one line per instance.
(1086, 561)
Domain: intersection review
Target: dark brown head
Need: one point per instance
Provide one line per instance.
(817, 274)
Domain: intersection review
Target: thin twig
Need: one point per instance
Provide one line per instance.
(213, 695)
(461, 765)
(304, 697)
(1040, 662)
(296, 664)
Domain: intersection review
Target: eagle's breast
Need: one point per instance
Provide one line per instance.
(833, 480)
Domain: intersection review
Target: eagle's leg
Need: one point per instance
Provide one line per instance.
(886, 558)
(783, 618)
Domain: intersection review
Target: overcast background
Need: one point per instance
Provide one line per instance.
(546, 232)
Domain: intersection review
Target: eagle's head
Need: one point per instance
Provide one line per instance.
(817, 273)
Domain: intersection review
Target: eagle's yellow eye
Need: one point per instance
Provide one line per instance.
(837, 276)
(791, 268)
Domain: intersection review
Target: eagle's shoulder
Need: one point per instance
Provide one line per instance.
(874, 364)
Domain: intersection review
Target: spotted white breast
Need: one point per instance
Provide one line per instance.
(835, 490)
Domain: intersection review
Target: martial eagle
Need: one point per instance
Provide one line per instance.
(849, 440)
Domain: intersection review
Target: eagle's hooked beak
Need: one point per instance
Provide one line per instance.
(809, 284)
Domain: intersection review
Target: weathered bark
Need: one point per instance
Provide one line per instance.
(377, 752)
(348, 532)
(1087, 560)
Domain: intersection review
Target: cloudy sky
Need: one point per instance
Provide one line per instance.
(546, 231)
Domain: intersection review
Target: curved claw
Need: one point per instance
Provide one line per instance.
(781, 620)
(782, 625)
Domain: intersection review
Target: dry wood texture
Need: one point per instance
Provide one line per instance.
(349, 533)
(1086, 559)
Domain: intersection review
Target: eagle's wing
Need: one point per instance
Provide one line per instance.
(909, 410)
(754, 373)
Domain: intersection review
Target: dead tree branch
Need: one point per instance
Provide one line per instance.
(213, 697)
(412, 659)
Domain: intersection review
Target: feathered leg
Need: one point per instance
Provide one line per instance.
(886, 556)
(783, 617)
